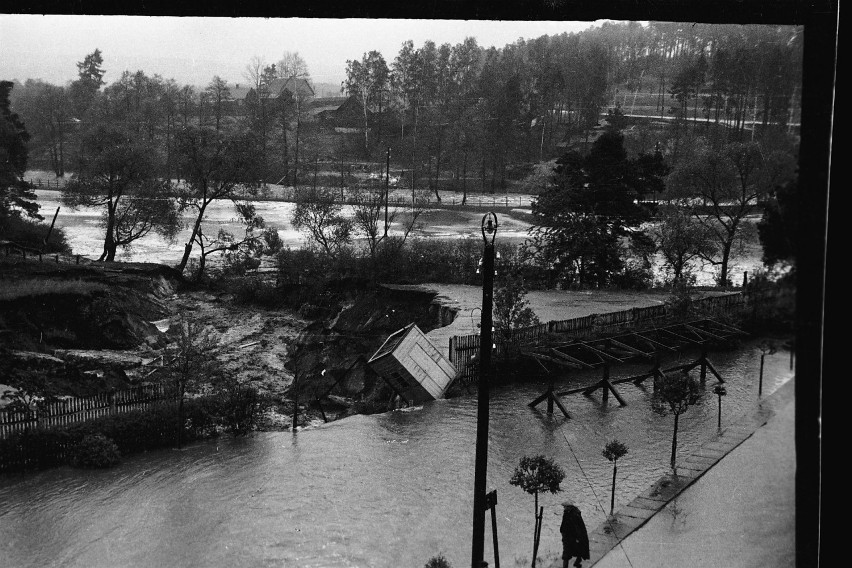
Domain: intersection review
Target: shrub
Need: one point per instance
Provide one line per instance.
(680, 300)
(240, 407)
(633, 276)
(95, 451)
(438, 562)
(34, 448)
(32, 234)
(131, 432)
(248, 290)
(200, 417)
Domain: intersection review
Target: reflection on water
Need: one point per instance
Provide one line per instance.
(388, 490)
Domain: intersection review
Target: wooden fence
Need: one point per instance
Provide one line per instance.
(72, 410)
(465, 348)
(39, 183)
(13, 249)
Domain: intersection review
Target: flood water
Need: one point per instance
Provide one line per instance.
(85, 234)
(389, 490)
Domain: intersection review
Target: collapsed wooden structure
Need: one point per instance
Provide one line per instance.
(412, 366)
(646, 344)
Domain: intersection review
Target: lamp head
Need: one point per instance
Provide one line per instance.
(489, 227)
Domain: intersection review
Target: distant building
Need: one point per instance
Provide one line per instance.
(412, 366)
(343, 114)
(239, 92)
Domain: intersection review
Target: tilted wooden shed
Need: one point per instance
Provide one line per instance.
(413, 366)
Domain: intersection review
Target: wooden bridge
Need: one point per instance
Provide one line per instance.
(647, 345)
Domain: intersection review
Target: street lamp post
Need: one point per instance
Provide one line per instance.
(489, 230)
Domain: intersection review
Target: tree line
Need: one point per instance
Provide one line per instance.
(457, 109)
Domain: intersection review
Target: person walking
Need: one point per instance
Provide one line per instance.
(575, 539)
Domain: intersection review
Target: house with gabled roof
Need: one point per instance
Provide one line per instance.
(239, 92)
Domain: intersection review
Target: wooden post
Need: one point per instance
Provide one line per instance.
(57, 259)
(537, 535)
(295, 396)
(703, 363)
(605, 386)
(612, 498)
(550, 399)
(78, 259)
(319, 404)
(494, 535)
(760, 380)
(719, 420)
(491, 503)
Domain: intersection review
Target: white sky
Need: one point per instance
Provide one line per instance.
(193, 49)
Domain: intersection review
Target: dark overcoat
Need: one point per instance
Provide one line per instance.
(575, 539)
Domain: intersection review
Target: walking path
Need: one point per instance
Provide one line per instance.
(741, 513)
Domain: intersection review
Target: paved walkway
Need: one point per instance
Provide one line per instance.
(739, 513)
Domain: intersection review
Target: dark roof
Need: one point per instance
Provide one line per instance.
(241, 90)
(328, 102)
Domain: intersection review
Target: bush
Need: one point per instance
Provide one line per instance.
(200, 417)
(680, 300)
(248, 290)
(633, 276)
(36, 448)
(438, 562)
(32, 234)
(236, 407)
(239, 407)
(95, 451)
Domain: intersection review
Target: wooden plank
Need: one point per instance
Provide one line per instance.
(604, 353)
(682, 338)
(580, 362)
(631, 349)
(655, 342)
(559, 362)
(700, 331)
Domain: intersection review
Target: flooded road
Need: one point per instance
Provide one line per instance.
(381, 491)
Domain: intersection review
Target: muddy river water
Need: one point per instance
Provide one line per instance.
(388, 490)
(85, 234)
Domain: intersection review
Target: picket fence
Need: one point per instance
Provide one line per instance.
(465, 348)
(72, 410)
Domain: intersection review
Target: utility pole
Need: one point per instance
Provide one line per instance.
(489, 231)
(387, 185)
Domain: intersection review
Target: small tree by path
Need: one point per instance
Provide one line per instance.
(674, 394)
(438, 562)
(612, 452)
(536, 475)
(190, 364)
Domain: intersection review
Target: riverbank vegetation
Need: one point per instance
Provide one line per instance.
(101, 442)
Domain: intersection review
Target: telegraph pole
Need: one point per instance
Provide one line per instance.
(387, 184)
(489, 231)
